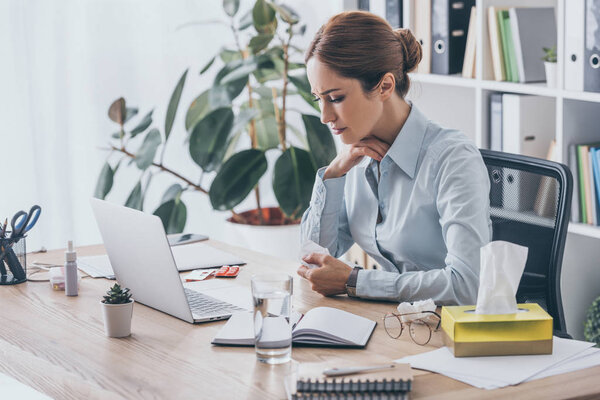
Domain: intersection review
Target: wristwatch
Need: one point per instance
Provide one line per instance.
(351, 282)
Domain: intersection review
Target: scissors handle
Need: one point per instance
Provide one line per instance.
(32, 217)
(22, 222)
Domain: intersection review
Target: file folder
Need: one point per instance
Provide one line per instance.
(422, 13)
(591, 65)
(574, 44)
(449, 25)
(393, 13)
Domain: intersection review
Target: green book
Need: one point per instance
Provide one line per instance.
(581, 155)
(502, 14)
(512, 56)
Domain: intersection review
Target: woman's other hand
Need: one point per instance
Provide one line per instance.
(331, 276)
(353, 154)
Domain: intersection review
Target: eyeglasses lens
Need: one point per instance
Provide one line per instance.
(420, 332)
(392, 326)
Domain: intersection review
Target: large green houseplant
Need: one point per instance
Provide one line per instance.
(249, 96)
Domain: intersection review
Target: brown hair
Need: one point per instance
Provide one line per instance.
(363, 46)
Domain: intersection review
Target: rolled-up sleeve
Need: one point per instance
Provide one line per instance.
(461, 188)
(325, 221)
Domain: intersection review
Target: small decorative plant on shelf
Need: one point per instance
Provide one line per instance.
(550, 65)
(591, 328)
(117, 310)
(249, 96)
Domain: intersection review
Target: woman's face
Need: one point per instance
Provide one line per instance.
(345, 107)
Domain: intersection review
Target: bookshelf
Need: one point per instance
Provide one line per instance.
(463, 103)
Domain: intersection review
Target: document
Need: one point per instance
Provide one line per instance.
(500, 371)
(11, 388)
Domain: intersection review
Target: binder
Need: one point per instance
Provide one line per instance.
(532, 29)
(449, 25)
(574, 44)
(496, 121)
(496, 45)
(591, 64)
(575, 203)
(422, 12)
(393, 13)
(502, 16)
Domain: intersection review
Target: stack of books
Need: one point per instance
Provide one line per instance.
(584, 163)
(389, 383)
(518, 37)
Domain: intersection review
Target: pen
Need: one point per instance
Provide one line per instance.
(355, 370)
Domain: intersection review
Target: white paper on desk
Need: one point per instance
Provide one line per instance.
(309, 247)
(11, 388)
(501, 370)
(187, 257)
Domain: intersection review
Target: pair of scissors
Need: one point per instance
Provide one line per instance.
(22, 222)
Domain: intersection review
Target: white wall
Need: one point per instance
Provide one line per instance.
(64, 62)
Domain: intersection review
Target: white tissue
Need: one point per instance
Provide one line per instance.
(309, 247)
(502, 264)
(416, 307)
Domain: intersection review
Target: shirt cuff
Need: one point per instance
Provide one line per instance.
(329, 191)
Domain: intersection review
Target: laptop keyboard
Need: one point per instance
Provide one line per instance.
(204, 306)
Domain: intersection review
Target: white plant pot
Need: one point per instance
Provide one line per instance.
(282, 241)
(117, 319)
(551, 74)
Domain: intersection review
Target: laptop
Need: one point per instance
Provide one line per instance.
(140, 255)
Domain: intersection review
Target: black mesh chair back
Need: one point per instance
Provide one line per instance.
(530, 202)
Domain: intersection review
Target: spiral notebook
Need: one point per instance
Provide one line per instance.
(394, 383)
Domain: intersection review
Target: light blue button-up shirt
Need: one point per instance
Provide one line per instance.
(433, 195)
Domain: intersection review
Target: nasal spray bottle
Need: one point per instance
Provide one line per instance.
(70, 271)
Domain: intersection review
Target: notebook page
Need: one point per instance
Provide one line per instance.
(336, 324)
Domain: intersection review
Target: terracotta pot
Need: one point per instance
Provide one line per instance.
(117, 319)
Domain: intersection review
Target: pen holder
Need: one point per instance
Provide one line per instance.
(13, 265)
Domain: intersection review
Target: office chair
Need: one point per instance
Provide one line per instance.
(530, 201)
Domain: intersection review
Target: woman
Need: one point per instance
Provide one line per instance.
(412, 194)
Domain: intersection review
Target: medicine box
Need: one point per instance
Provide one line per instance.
(528, 331)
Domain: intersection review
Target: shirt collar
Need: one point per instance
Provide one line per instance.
(407, 146)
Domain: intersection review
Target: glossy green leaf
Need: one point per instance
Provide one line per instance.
(173, 215)
(105, 182)
(320, 140)
(117, 111)
(286, 13)
(135, 199)
(293, 179)
(240, 73)
(266, 132)
(130, 112)
(243, 118)
(173, 104)
(208, 141)
(174, 191)
(208, 65)
(303, 86)
(263, 16)
(231, 7)
(147, 151)
(228, 56)
(236, 178)
(260, 42)
(197, 110)
(142, 125)
(221, 95)
(116, 135)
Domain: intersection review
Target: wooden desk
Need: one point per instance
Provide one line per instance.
(56, 344)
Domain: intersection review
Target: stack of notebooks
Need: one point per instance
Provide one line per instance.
(393, 383)
(584, 163)
(518, 37)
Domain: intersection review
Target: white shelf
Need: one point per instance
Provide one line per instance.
(448, 80)
(538, 89)
(584, 96)
(585, 230)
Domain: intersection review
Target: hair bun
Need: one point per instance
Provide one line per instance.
(412, 52)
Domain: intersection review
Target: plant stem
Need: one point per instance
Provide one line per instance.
(280, 133)
(163, 168)
(285, 83)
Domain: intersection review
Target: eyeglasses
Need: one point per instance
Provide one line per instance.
(419, 325)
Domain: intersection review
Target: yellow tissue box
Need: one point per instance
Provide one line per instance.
(528, 331)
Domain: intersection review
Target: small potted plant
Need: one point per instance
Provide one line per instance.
(117, 309)
(591, 328)
(550, 65)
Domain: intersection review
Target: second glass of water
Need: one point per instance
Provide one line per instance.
(272, 294)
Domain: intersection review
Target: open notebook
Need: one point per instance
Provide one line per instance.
(321, 326)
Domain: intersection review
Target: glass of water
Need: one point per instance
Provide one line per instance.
(272, 294)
